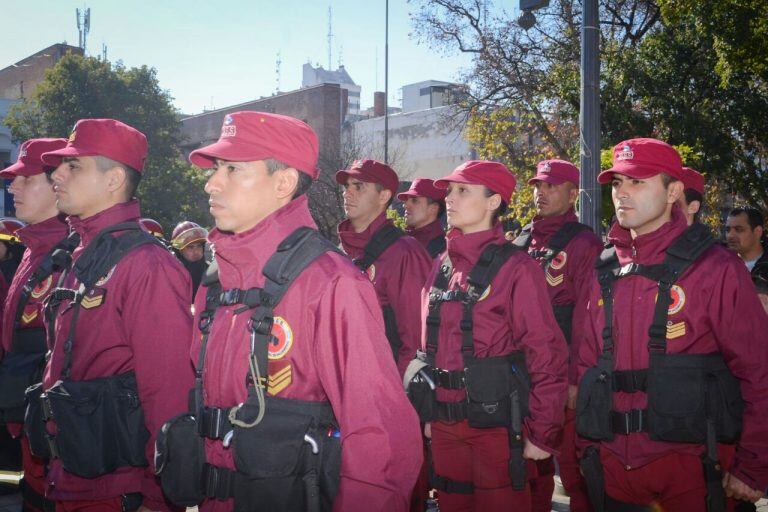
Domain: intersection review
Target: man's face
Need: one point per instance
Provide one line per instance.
(553, 200)
(642, 204)
(740, 235)
(241, 194)
(193, 252)
(81, 188)
(419, 212)
(33, 198)
(362, 201)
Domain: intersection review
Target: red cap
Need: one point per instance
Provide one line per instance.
(423, 187)
(643, 158)
(8, 228)
(556, 172)
(693, 179)
(30, 160)
(103, 137)
(152, 226)
(250, 136)
(370, 171)
(493, 175)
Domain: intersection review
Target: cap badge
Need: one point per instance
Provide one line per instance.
(546, 167)
(626, 153)
(228, 129)
(357, 164)
(23, 153)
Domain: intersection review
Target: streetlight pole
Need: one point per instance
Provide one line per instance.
(589, 112)
(386, 82)
(589, 117)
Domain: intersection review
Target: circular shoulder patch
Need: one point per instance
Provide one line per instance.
(558, 261)
(42, 288)
(678, 300)
(282, 338)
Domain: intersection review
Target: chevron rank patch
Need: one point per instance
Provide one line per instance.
(94, 299)
(554, 281)
(280, 376)
(29, 314)
(675, 330)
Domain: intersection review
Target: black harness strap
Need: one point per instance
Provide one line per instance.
(557, 243)
(293, 256)
(381, 240)
(103, 253)
(44, 270)
(436, 246)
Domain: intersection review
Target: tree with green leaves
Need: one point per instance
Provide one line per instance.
(660, 77)
(80, 87)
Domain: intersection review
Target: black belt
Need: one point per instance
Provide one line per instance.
(630, 381)
(218, 482)
(451, 411)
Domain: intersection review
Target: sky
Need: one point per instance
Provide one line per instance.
(212, 54)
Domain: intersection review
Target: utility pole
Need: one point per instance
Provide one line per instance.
(386, 82)
(589, 111)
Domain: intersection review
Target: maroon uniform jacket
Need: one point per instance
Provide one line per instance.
(142, 324)
(714, 309)
(330, 346)
(513, 314)
(39, 239)
(398, 277)
(426, 234)
(569, 273)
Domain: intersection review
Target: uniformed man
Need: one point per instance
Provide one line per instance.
(674, 356)
(424, 207)
(744, 232)
(693, 194)
(296, 391)
(23, 332)
(188, 242)
(119, 328)
(396, 264)
(566, 250)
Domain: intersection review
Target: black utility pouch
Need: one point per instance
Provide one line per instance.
(18, 371)
(34, 422)
(702, 386)
(276, 446)
(489, 386)
(422, 395)
(179, 460)
(99, 425)
(594, 403)
(330, 468)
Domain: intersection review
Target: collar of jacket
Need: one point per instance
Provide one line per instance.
(242, 256)
(42, 236)
(647, 249)
(353, 243)
(90, 227)
(426, 234)
(464, 250)
(545, 227)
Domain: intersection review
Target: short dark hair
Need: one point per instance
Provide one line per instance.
(440, 204)
(305, 180)
(754, 217)
(502, 209)
(132, 176)
(692, 195)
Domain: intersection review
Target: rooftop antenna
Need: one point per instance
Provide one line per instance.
(83, 25)
(104, 52)
(341, 55)
(277, 73)
(330, 37)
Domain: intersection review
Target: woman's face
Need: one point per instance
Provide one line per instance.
(469, 208)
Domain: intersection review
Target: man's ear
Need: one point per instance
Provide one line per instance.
(675, 191)
(116, 178)
(286, 182)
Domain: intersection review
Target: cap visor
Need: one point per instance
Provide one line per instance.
(639, 172)
(12, 171)
(54, 158)
(455, 178)
(402, 196)
(206, 157)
